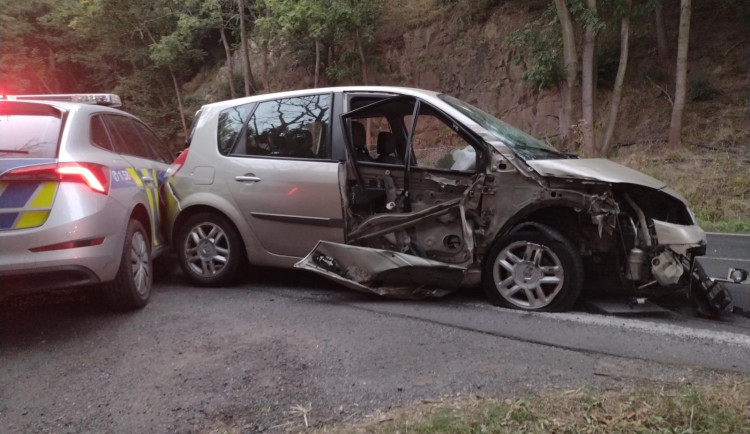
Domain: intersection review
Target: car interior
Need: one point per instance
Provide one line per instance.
(407, 196)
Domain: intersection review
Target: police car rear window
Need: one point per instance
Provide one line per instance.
(29, 130)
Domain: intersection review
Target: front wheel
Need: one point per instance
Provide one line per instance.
(533, 271)
(209, 249)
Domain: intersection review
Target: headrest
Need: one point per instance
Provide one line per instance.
(359, 135)
(300, 138)
(386, 143)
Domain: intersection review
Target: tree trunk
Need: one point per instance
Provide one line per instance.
(661, 37)
(230, 64)
(177, 92)
(675, 127)
(179, 101)
(614, 104)
(570, 58)
(247, 72)
(266, 81)
(362, 62)
(264, 51)
(317, 61)
(587, 96)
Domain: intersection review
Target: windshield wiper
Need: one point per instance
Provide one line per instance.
(14, 151)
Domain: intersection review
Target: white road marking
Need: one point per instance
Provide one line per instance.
(724, 234)
(713, 337)
(715, 258)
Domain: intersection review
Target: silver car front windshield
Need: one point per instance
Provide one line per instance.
(525, 146)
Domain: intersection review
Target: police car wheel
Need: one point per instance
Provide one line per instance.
(131, 288)
(209, 249)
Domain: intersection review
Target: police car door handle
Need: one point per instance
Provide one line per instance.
(247, 178)
(147, 179)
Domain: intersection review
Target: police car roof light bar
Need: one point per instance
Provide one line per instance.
(105, 99)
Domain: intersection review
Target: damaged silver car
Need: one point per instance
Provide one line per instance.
(410, 193)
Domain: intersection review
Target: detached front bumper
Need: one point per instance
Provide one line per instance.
(383, 272)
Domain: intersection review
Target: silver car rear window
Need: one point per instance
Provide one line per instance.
(29, 130)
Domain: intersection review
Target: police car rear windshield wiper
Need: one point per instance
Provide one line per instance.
(14, 151)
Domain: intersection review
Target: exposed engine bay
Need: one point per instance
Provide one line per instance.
(633, 240)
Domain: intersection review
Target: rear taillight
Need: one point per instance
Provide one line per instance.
(177, 163)
(93, 175)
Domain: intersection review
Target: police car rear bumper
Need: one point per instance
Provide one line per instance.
(27, 252)
(47, 278)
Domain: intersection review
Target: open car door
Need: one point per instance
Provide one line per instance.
(414, 202)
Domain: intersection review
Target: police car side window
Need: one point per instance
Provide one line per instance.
(163, 153)
(99, 135)
(126, 138)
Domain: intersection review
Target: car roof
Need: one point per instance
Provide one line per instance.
(292, 93)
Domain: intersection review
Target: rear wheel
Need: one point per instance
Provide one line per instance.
(209, 249)
(534, 271)
(131, 288)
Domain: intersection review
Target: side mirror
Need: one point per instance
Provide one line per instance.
(738, 275)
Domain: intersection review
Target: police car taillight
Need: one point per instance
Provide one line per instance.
(177, 164)
(93, 175)
(105, 99)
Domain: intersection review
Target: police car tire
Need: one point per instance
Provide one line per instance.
(235, 257)
(122, 293)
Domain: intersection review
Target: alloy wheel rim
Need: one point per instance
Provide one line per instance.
(140, 264)
(528, 275)
(207, 249)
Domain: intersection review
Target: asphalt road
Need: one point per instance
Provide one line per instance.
(725, 251)
(246, 355)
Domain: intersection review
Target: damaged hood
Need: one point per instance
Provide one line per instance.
(594, 169)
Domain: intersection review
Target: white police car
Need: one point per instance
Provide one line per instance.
(79, 196)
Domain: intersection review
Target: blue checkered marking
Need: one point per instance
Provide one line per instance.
(17, 194)
(7, 219)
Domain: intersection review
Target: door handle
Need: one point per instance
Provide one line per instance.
(247, 178)
(147, 179)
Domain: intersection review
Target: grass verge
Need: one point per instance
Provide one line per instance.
(734, 226)
(717, 408)
(715, 184)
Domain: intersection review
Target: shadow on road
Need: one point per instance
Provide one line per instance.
(28, 319)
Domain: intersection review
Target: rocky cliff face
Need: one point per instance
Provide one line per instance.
(467, 60)
(462, 57)
(457, 48)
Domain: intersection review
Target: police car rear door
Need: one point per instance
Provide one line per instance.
(148, 160)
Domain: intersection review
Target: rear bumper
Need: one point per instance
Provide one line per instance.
(77, 215)
(42, 279)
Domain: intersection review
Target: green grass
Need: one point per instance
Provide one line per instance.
(715, 184)
(734, 226)
(718, 408)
